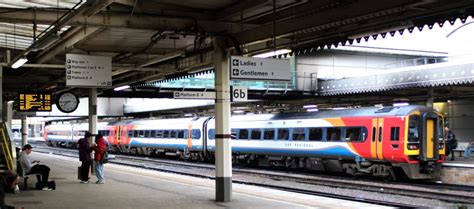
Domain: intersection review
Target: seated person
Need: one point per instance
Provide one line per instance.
(28, 168)
(468, 150)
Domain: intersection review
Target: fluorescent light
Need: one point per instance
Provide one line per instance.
(188, 115)
(339, 108)
(238, 111)
(398, 104)
(449, 101)
(310, 106)
(120, 88)
(273, 53)
(312, 110)
(19, 62)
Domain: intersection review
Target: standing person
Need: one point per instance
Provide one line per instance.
(85, 157)
(451, 142)
(29, 169)
(99, 151)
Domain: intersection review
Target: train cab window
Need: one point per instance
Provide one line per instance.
(234, 133)
(354, 134)
(152, 133)
(269, 134)
(166, 134)
(333, 134)
(211, 134)
(147, 134)
(243, 134)
(394, 133)
(298, 134)
(440, 129)
(256, 134)
(196, 134)
(173, 134)
(413, 128)
(283, 134)
(159, 134)
(315, 134)
(181, 134)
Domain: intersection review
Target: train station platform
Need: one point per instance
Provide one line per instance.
(137, 188)
(458, 171)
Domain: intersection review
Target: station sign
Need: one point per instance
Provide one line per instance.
(194, 95)
(250, 68)
(34, 102)
(238, 94)
(88, 71)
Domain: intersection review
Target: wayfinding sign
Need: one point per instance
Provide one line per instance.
(193, 95)
(238, 93)
(250, 68)
(88, 71)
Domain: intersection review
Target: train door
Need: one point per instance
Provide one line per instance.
(118, 135)
(429, 142)
(376, 143)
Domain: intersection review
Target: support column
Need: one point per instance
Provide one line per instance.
(1, 93)
(223, 151)
(8, 113)
(24, 131)
(93, 111)
(429, 101)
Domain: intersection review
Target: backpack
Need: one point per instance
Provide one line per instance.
(105, 158)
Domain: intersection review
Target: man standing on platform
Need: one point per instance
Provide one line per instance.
(85, 157)
(451, 142)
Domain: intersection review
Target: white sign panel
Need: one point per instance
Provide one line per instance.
(88, 71)
(194, 95)
(250, 68)
(239, 94)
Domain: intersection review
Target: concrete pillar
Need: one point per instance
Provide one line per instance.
(223, 148)
(429, 101)
(1, 93)
(24, 131)
(8, 113)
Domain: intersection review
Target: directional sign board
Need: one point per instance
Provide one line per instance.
(88, 71)
(250, 68)
(194, 95)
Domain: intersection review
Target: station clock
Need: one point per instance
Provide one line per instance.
(67, 102)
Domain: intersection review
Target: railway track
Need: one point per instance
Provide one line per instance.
(458, 194)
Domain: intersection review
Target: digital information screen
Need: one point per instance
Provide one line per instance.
(34, 102)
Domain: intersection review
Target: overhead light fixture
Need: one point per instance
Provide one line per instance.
(339, 108)
(238, 111)
(399, 104)
(120, 88)
(20, 62)
(310, 106)
(312, 110)
(273, 53)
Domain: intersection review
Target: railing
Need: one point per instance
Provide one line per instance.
(6, 148)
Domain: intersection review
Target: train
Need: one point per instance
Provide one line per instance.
(388, 142)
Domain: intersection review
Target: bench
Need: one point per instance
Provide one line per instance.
(25, 176)
(460, 148)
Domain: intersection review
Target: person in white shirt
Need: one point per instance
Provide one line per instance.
(28, 168)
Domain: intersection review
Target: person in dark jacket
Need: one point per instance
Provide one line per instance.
(9, 182)
(451, 142)
(99, 152)
(85, 157)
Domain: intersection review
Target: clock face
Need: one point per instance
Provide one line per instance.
(67, 102)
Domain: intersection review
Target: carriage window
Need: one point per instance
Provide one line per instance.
(244, 134)
(315, 134)
(255, 134)
(181, 134)
(211, 134)
(147, 134)
(234, 133)
(333, 134)
(269, 134)
(130, 133)
(394, 133)
(141, 133)
(152, 133)
(283, 134)
(173, 134)
(298, 134)
(413, 128)
(354, 134)
(159, 134)
(107, 133)
(196, 134)
(166, 134)
(135, 133)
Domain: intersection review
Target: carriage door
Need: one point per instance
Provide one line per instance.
(430, 140)
(376, 144)
(118, 134)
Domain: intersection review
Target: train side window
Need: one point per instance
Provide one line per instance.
(234, 133)
(147, 134)
(181, 134)
(298, 134)
(283, 134)
(173, 134)
(394, 133)
(196, 134)
(141, 133)
(269, 134)
(333, 134)
(353, 134)
(374, 130)
(130, 133)
(244, 134)
(315, 134)
(413, 128)
(256, 134)
(107, 133)
(152, 133)
(211, 134)
(159, 134)
(166, 134)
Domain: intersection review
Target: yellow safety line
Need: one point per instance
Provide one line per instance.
(6, 151)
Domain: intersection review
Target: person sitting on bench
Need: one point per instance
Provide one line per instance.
(27, 167)
(468, 151)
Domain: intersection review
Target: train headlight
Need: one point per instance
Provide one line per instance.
(413, 146)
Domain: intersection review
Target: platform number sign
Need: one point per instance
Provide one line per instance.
(239, 94)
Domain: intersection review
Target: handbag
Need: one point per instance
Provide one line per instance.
(105, 158)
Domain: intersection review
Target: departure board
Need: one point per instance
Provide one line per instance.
(34, 102)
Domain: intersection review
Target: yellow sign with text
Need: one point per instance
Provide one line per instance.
(35, 102)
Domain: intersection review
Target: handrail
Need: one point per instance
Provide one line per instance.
(6, 149)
